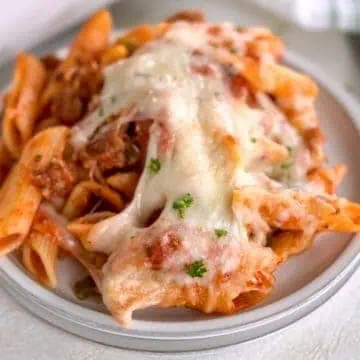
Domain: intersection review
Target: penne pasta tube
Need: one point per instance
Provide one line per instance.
(93, 37)
(141, 35)
(39, 255)
(82, 226)
(56, 224)
(299, 211)
(19, 197)
(78, 201)
(22, 105)
(90, 43)
(113, 54)
(125, 183)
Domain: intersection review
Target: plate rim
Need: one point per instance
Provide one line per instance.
(336, 276)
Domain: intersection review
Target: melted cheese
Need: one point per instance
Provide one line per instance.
(208, 152)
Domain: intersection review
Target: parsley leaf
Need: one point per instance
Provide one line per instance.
(182, 203)
(101, 111)
(290, 149)
(220, 232)
(196, 269)
(286, 165)
(154, 165)
(253, 140)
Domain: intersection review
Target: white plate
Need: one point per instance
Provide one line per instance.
(303, 283)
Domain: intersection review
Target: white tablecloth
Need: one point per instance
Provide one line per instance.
(331, 332)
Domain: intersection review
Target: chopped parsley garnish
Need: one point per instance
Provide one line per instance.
(220, 232)
(286, 165)
(253, 140)
(101, 111)
(233, 50)
(196, 269)
(154, 165)
(113, 99)
(132, 237)
(182, 203)
(290, 149)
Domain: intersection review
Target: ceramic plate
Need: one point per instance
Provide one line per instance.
(303, 283)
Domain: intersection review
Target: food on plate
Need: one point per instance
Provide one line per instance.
(180, 164)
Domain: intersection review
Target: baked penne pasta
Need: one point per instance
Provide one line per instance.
(189, 166)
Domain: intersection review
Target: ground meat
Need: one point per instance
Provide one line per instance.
(56, 181)
(79, 85)
(67, 106)
(113, 148)
(110, 149)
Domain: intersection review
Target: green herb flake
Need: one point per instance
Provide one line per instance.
(101, 111)
(154, 165)
(220, 232)
(113, 99)
(182, 203)
(253, 140)
(286, 165)
(233, 50)
(196, 269)
(290, 149)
